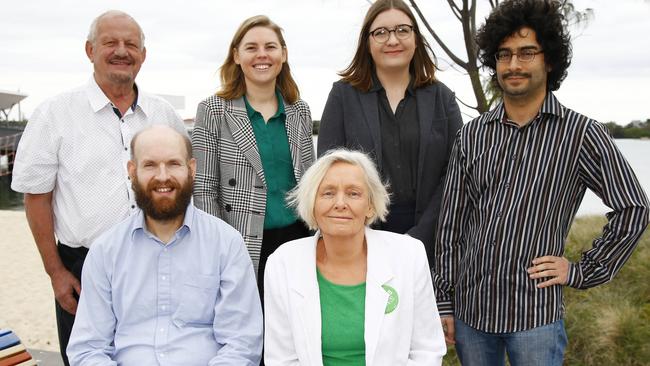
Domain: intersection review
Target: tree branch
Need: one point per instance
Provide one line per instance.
(465, 104)
(472, 22)
(454, 9)
(438, 40)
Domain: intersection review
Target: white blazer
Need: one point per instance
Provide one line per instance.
(410, 334)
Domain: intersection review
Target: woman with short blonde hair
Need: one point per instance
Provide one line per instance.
(349, 295)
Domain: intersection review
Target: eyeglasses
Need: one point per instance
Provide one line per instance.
(525, 55)
(382, 34)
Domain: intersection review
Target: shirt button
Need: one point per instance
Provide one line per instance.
(164, 277)
(162, 330)
(125, 148)
(162, 355)
(507, 185)
(163, 307)
(132, 206)
(514, 157)
(499, 214)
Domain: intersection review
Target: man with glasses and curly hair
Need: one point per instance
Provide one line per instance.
(516, 178)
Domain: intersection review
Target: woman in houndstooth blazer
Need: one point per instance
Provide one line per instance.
(253, 141)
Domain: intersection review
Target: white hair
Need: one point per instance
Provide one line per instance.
(303, 196)
(92, 33)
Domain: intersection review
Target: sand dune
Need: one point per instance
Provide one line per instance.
(26, 297)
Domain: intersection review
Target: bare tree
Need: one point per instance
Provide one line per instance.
(465, 12)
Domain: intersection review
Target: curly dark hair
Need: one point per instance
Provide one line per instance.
(545, 17)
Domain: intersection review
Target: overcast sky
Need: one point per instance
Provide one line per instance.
(42, 49)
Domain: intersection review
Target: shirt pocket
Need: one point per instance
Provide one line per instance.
(439, 127)
(198, 298)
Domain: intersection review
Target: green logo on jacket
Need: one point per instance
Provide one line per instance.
(393, 299)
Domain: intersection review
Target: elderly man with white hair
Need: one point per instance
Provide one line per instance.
(71, 160)
(350, 293)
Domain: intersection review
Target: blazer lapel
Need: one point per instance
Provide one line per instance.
(379, 273)
(292, 125)
(304, 290)
(243, 135)
(370, 110)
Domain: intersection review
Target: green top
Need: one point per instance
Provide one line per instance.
(273, 145)
(342, 310)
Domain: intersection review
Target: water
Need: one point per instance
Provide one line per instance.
(9, 200)
(635, 151)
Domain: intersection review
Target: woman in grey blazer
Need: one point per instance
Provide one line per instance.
(389, 104)
(253, 141)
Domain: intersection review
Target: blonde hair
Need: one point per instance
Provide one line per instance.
(303, 196)
(233, 84)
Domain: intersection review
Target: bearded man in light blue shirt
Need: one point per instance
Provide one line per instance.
(170, 285)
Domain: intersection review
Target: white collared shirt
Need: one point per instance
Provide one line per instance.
(76, 146)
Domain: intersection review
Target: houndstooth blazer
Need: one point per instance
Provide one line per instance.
(230, 181)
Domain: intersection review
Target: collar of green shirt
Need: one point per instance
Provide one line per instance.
(250, 111)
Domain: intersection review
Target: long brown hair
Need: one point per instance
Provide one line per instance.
(359, 72)
(233, 84)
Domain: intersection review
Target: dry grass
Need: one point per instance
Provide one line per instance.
(609, 324)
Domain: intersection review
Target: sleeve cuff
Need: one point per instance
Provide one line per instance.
(575, 278)
(445, 308)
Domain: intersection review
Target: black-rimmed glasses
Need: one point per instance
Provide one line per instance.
(382, 34)
(525, 55)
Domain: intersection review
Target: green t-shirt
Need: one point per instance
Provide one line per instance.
(273, 145)
(342, 323)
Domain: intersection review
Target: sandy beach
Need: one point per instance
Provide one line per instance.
(26, 298)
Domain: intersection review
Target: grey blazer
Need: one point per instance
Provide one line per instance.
(351, 119)
(230, 181)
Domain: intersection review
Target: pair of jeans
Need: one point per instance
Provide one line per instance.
(541, 346)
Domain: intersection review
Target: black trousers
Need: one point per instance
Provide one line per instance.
(73, 261)
(271, 241)
(400, 219)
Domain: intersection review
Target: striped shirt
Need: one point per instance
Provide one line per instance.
(510, 196)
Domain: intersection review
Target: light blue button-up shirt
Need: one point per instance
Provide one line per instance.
(193, 301)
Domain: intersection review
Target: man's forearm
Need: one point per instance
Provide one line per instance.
(38, 209)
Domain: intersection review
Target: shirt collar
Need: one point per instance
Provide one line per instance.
(550, 106)
(138, 222)
(250, 111)
(99, 100)
(376, 85)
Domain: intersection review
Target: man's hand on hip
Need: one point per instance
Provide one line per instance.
(556, 269)
(65, 284)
